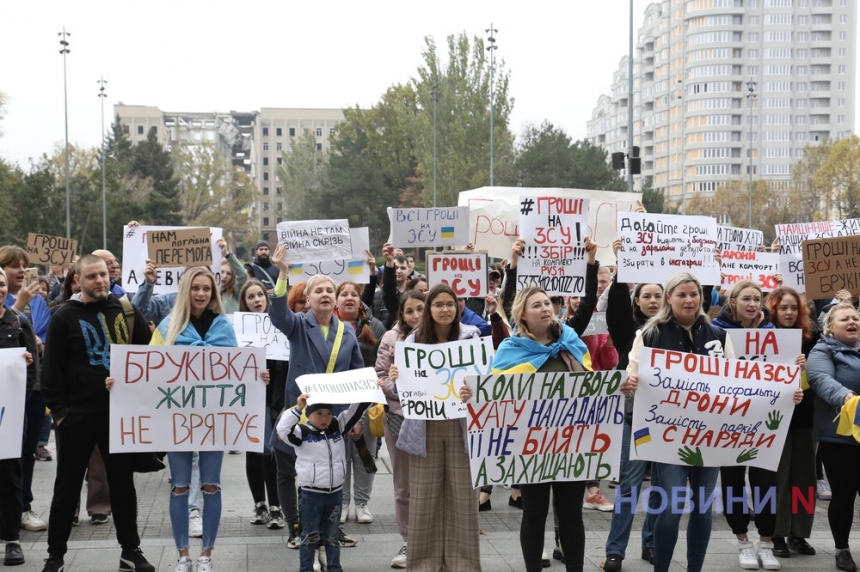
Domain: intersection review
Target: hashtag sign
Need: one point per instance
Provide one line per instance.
(130, 233)
(526, 206)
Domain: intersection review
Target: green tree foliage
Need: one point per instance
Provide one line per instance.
(303, 175)
(839, 177)
(808, 199)
(152, 161)
(654, 200)
(730, 205)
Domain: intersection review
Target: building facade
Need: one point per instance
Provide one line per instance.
(696, 60)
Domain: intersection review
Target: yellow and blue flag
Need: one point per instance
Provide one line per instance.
(642, 436)
(447, 232)
(354, 267)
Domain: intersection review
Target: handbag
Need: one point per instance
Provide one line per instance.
(376, 419)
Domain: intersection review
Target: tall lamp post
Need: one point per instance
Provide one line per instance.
(750, 97)
(103, 96)
(630, 106)
(64, 42)
(491, 48)
(434, 91)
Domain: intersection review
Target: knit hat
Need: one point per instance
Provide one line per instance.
(317, 406)
(261, 243)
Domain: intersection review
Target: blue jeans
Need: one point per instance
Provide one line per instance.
(673, 480)
(194, 490)
(320, 519)
(210, 474)
(627, 502)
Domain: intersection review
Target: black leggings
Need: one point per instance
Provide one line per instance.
(762, 488)
(567, 502)
(262, 473)
(842, 463)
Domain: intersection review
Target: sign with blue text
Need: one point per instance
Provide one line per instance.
(441, 226)
(353, 269)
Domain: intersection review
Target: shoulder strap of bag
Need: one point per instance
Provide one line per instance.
(336, 349)
(128, 312)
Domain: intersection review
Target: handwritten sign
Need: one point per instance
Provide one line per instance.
(744, 239)
(352, 269)
(494, 214)
(759, 267)
(255, 330)
(533, 428)
(182, 247)
(781, 345)
(791, 237)
(176, 398)
(710, 411)
(654, 247)
(442, 226)
(135, 252)
(430, 375)
(596, 325)
(553, 229)
(465, 272)
(315, 240)
(13, 372)
(354, 386)
(831, 265)
(44, 249)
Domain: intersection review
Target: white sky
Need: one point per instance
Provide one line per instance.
(214, 55)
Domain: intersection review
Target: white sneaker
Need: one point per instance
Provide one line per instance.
(319, 560)
(183, 565)
(399, 561)
(362, 514)
(205, 565)
(544, 560)
(276, 518)
(822, 490)
(31, 521)
(344, 513)
(765, 555)
(746, 556)
(195, 524)
(260, 514)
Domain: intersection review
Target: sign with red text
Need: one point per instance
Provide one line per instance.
(656, 246)
(776, 345)
(353, 386)
(442, 226)
(791, 236)
(353, 269)
(315, 240)
(176, 398)
(135, 252)
(494, 215)
(430, 375)
(47, 250)
(554, 231)
(541, 427)
(744, 239)
(831, 265)
(465, 272)
(13, 390)
(710, 411)
(255, 330)
(758, 267)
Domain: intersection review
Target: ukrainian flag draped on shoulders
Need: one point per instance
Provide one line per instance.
(220, 334)
(519, 354)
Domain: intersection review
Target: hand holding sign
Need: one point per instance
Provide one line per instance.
(280, 258)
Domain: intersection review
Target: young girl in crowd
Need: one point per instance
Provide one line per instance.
(233, 278)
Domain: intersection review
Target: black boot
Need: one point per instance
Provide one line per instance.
(557, 553)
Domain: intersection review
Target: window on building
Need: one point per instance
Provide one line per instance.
(280, 206)
(292, 131)
(265, 206)
(265, 190)
(319, 131)
(319, 146)
(140, 129)
(279, 131)
(265, 175)
(331, 131)
(265, 146)
(280, 161)
(265, 131)
(265, 221)
(279, 146)
(840, 69)
(265, 161)
(279, 191)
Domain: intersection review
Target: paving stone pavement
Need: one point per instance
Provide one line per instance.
(244, 547)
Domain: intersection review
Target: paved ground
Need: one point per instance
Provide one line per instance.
(244, 547)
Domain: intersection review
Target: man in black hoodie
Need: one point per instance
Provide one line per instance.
(263, 269)
(74, 369)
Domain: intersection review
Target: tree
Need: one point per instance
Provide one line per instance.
(730, 206)
(807, 198)
(150, 160)
(839, 177)
(212, 192)
(302, 174)
(654, 200)
(544, 157)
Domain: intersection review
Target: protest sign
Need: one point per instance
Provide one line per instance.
(656, 246)
(790, 238)
(710, 411)
(255, 330)
(465, 272)
(13, 372)
(315, 240)
(494, 214)
(442, 226)
(759, 267)
(135, 252)
(831, 265)
(186, 247)
(596, 324)
(47, 250)
(179, 398)
(744, 239)
(353, 269)
(781, 345)
(533, 428)
(354, 386)
(553, 258)
(430, 375)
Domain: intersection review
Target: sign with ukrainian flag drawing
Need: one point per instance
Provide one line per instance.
(352, 269)
(709, 411)
(540, 427)
(441, 226)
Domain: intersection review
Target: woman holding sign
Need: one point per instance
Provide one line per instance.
(681, 324)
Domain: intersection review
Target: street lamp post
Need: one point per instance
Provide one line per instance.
(630, 106)
(750, 97)
(435, 94)
(491, 48)
(64, 42)
(103, 96)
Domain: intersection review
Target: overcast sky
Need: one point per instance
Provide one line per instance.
(214, 55)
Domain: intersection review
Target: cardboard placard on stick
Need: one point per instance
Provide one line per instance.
(184, 247)
(44, 249)
(831, 265)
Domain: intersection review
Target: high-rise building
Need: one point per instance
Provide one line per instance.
(695, 63)
(252, 140)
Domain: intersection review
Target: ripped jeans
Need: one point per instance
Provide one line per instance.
(210, 474)
(320, 518)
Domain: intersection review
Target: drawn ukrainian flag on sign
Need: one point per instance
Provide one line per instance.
(642, 436)
(354, 267)
(296, 270)
(447, 232)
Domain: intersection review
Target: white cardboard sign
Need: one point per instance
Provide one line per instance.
(441, 226)
(315, 240)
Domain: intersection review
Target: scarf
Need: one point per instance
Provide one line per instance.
(220, 334)
(519, 354)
